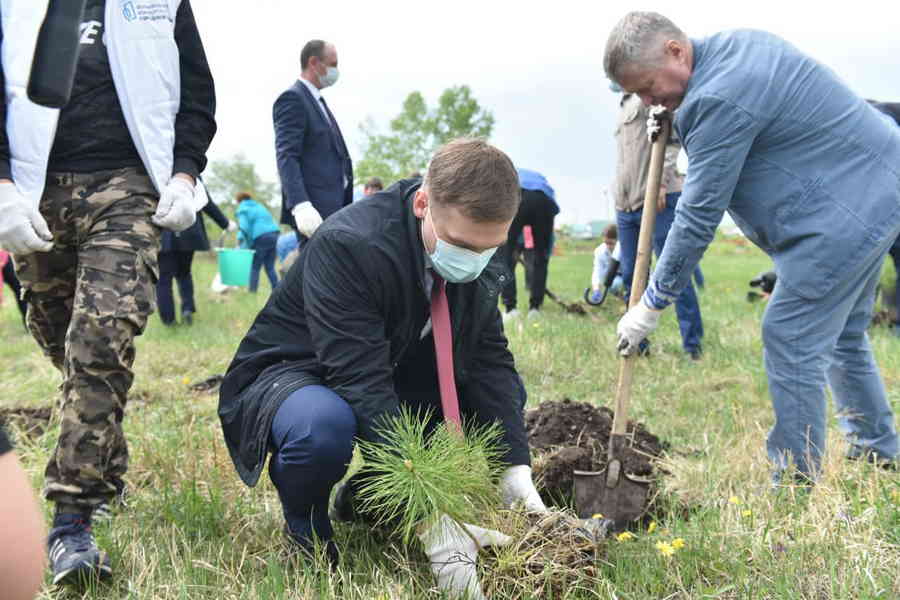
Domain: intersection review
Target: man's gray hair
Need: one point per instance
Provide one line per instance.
(636, 40)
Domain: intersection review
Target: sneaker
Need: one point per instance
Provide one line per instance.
(696, 354)
(510, 315)
(187, 318)
(74, 555)
(533, 314)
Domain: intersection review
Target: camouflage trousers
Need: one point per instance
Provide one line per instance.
(88, 298)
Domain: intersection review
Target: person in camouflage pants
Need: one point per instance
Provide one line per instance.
(85, 192)
(88, 298)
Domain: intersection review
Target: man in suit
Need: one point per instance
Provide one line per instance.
(313, 162)
(808, 170)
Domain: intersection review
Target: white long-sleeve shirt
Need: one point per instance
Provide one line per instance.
(602, 256)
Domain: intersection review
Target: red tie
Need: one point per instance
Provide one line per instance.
(443, 350)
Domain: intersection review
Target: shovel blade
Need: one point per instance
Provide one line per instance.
(620, 500)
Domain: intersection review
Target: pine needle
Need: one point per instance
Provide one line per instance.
(419, 474)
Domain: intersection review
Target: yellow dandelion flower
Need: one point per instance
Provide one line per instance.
(734, 500)
(597, 516)
(624, 536)
(652, 527)
(746, 513)
(665, 548)
(185, 381)
(678, 543)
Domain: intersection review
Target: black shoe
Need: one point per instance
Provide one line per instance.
(696, 353)
(187, 318)
(307, 550)
(342, 507)
(74, 555)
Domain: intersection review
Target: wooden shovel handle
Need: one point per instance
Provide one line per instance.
(641, 271)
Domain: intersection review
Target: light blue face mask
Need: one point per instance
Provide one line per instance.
(615, 87)
(455, 264)
(329, 78)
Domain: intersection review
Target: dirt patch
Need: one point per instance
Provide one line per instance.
(32, 422)
(568, 435)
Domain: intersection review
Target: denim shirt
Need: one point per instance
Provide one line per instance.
(806, 168)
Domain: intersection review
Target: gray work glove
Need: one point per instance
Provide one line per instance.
(453, 555)
(176, 208)
(22, 228)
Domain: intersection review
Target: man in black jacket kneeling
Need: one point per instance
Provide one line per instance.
(348, 337)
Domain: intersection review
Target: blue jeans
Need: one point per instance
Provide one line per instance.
(264, 256)
(686, 306)
(808, 342)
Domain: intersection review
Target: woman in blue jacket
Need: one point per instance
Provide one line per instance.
(257, 230)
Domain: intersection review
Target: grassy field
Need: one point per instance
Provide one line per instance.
(190, 529)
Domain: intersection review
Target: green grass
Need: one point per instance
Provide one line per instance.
(192, 530)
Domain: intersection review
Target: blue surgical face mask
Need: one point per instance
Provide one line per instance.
(615, 87)
(329, 78)
(455, 264)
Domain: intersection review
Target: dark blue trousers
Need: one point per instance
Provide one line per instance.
(264, 256)
(686, 307)
(175, 265)
(312, 439)
(312, 444)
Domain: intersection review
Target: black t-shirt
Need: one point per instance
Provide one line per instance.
(5, 444)
(92, 134)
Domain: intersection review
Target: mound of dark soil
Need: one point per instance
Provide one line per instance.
(568, 435)
(32, 421)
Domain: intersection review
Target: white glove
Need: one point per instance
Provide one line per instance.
(175, 210)
(22, 228)
(517, 487)
(232, 226)
(634, 326)
(307, 217)
(657, 113)
(452, 554)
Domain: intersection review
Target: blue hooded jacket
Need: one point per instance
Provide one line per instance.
(253, 221)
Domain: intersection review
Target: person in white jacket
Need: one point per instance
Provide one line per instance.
(85, 192)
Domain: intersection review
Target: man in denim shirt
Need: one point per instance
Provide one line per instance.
(811, 174)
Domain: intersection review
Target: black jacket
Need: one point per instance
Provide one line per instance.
(194, 238)
(349, 314)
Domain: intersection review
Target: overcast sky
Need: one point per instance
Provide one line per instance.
(537, 66)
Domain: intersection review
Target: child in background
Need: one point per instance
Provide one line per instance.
(603, 255)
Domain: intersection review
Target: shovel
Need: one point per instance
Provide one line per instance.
(613, 493)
